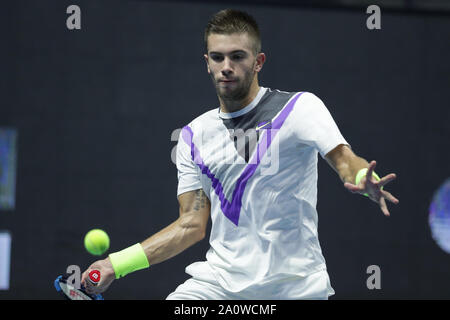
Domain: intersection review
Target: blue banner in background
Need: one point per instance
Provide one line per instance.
(8, 157)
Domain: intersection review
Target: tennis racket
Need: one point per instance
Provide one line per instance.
(71, 293)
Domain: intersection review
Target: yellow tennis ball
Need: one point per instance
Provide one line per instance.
(96, 242)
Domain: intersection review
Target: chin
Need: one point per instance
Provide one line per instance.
(235, 95)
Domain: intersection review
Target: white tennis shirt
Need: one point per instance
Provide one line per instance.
(262, 186)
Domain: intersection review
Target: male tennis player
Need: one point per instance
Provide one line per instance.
(250, 165)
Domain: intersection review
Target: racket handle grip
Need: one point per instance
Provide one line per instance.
(94, 277)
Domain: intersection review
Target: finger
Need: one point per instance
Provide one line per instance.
(384, 207)
(352, 188)
(83, 280)
(390, 197)
(386, 179)
(87, 286)
(370, 170)
(86, 283)
(85, 276)
(90, 288)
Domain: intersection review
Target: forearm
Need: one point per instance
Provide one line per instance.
(172, 240)
(188, 229)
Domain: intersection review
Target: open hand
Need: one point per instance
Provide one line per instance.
(374, 189)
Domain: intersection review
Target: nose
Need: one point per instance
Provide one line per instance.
(227, 67)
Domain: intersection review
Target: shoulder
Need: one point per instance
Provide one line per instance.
(205, 117)
(309, 97)
(309, 108)
(196, 126)
(302, 96)
(308, 102)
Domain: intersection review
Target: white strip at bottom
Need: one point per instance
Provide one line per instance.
(5, 259)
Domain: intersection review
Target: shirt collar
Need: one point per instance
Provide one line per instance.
(248, 108)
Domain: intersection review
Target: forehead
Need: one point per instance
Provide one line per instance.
(229, 42)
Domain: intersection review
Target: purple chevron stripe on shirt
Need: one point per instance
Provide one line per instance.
(232, 209)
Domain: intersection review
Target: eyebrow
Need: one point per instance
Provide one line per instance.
(232, 52)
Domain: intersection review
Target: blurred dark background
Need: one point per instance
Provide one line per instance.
(95, 109)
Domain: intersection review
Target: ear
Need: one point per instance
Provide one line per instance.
(207, 62)
(260, 59)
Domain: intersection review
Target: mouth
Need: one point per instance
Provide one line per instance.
(227, 80)
(227, 83)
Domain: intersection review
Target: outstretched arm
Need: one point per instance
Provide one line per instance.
(188, 229)
(347, 164)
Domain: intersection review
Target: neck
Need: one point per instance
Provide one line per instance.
(229, 106)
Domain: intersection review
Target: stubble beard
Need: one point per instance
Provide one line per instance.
(237, 94)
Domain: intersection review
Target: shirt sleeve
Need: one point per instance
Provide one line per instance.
(314, 124)
(188, 173)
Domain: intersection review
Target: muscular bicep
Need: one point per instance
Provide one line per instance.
(195, 208)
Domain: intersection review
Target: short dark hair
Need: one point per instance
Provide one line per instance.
(230, 21)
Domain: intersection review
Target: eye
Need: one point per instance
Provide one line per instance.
(216, 57)
(237, 57)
